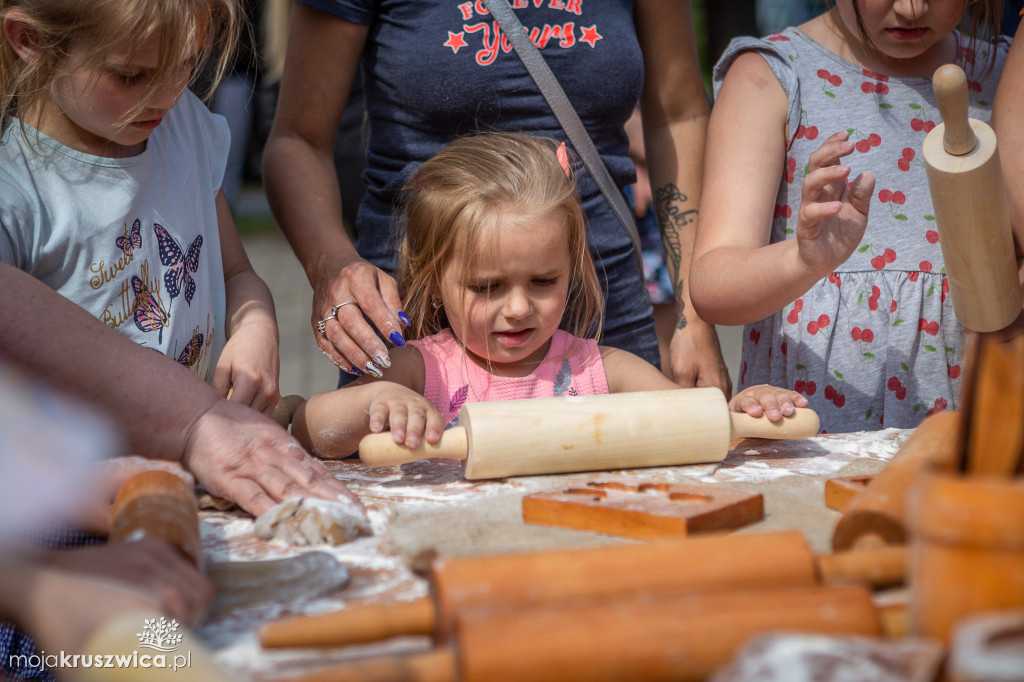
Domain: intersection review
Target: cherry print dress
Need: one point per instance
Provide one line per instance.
(875, 343)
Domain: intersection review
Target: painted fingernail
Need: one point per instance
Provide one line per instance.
(382, 359)
(355, 370)
(397, 339)
(403, 317)
(374, 370)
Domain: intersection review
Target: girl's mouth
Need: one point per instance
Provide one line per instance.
(148, 125)
(515, 337)
(907, 33)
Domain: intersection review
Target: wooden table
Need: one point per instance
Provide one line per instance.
(427, 508)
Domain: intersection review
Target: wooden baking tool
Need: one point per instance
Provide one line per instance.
(590, 433)
(644, 510)
(968, 551)
(778, 559)
(157, 504)
(971, 214)
(880, 510)
(993, 438)
(680, 637)
(840, 491)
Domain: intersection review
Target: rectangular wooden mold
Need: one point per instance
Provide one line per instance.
(644, 510)
(839, 492)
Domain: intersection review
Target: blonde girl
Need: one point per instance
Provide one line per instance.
(110, 171)
(493, 264)
(817, 229)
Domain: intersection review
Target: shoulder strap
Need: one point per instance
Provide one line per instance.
(566, 115)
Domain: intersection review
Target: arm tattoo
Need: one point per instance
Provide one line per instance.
(668, 202)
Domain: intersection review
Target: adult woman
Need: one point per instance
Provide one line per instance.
(434, 70)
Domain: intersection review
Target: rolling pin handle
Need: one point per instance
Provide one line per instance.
(803, 424)
(381, 450)
(351, 626)
(950, 84)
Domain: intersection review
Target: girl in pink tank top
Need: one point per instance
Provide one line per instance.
(493, 263)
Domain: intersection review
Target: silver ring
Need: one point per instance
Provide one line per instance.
(322, 325)
(334, 310)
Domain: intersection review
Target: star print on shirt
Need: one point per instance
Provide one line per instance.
(590, 35)
(455, 41)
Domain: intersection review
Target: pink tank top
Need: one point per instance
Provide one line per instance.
(571, 367)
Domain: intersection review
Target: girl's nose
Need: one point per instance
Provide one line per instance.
(518, 304)
(910, 9)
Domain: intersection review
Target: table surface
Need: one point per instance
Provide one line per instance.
(427, 509)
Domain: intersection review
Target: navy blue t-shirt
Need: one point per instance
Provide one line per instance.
(437, 69)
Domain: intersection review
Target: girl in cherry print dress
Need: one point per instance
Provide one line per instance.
(832, 260)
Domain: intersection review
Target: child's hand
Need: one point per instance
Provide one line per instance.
(249, 367)
(775, 403)
(409, 415)
(833, 214)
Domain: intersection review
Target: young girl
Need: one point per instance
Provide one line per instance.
(494, 256)
(110, 172)
(851, 311)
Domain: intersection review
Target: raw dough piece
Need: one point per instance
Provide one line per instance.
(246, 583)
(312, 521)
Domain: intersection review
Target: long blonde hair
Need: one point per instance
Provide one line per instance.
(212, 26)
(453, 202)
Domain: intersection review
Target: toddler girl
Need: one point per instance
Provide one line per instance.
(494, 261)
(111, 171)
(850, 310)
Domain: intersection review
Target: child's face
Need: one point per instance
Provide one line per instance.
(91, 105)
(903, 29)
(509, 304)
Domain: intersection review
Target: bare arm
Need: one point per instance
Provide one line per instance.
(1008, 122)
(250, 363)
(302, 187)
(674, 109)
(162, 409)
(737, 276)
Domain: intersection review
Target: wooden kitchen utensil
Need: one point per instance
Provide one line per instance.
(700, 564)
(880, 510)
(971, 214)
(590, 433)
(680, 637)
(840, 491)
(644, 510)
(157, 504)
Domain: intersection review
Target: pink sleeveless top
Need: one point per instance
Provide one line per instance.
(452, 378)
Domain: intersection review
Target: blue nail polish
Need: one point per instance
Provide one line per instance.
(372, 369)
(355, 370)
(397, 339)
(403, 317)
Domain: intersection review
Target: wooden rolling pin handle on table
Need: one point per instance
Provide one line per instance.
(158, 504)
(590, 433)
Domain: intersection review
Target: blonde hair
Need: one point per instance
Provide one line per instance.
(211, 26)
(454, 202)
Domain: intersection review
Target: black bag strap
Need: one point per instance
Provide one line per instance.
(566, 115)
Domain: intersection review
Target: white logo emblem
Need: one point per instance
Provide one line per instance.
(159, 635)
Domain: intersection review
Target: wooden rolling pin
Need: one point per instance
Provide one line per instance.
(157, 504)
(880, 511)
(778, 559)
(678, 637)
(590, 433)
(971, 215)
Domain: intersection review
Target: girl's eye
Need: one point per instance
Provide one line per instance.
(482, 288)
(545, 281)
(129, 78)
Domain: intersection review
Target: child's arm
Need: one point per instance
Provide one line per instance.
(332, 424)
(737, 276)
(773, 402)
(249, 364)
(1008, 123)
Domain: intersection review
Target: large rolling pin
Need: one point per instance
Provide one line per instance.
(157, 504)
(879, 512)
(678, 637)
(590, 433)
(971, 215)
(778, 559)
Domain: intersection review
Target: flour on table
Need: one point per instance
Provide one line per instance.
(312, 521)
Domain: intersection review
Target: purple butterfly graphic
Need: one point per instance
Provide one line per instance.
(148, 313)
(179, 264)
(190, 354)
(129, 242)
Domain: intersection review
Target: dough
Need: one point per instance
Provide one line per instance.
(312, 521)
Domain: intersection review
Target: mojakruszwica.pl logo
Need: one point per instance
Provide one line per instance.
(159, 635)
